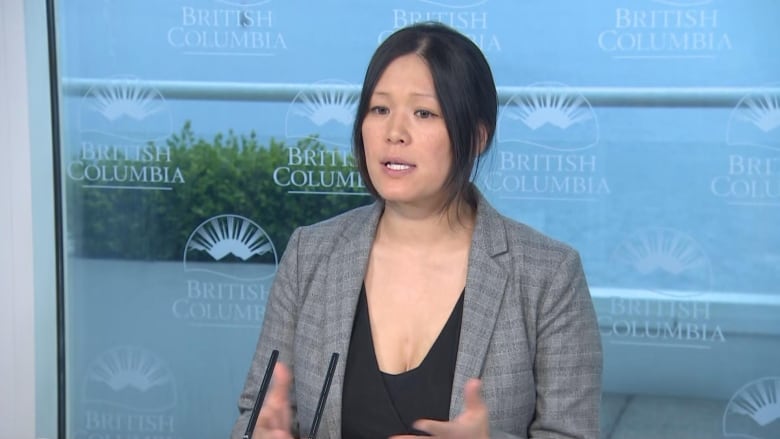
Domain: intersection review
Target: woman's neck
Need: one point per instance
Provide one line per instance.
(425, 227)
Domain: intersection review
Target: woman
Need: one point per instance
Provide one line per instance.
(451, 320)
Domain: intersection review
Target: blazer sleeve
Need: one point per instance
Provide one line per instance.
(568, 361)
(278, 332)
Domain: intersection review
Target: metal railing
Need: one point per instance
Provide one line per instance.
(286, 92)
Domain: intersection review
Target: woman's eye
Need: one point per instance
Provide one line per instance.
(378, 109)
(424, 114)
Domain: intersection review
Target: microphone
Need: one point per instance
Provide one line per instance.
(250, 428)
(315, 425)
(269, 370)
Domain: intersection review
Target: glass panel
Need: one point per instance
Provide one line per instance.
(197, 134)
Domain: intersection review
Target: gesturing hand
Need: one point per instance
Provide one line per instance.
(471, 423)
(275, 418)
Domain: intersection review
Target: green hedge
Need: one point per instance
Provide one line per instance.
(231, 174)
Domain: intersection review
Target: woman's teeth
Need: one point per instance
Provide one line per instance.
(397, 166)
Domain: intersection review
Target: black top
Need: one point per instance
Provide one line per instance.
(376, 404)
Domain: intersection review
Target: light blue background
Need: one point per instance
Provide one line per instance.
(658, 161)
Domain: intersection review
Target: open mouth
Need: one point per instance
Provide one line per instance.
(397, 166)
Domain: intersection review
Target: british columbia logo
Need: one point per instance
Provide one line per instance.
(666, 29)
(128, 391)
(326, 111)
(124, 124)
(320, 120)
(125, 107)
(131, 378)
(660, 276)
(468, 16)
(751, 176)
(230, 263)
(233, 28)
(754, 411)
(755, 121)
(225, 244)
(545, 137)
(551, 116)
(664, 261)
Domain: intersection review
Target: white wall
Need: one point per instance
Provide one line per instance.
(17, 322)
(27, 296)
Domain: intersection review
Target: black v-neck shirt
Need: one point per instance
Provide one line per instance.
(376, 404)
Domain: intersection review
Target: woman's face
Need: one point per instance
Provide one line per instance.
(406, 143)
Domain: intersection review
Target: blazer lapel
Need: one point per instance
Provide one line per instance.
(346, 272)
(485, 286)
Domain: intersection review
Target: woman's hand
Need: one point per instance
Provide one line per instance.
(275, 417)
(471, 423)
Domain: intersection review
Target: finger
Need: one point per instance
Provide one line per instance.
(271, 418)
(435, 428)
(284, 384)
(472, 396)
(272, 434)
(281, 381)
(276, 412)
(271, 424)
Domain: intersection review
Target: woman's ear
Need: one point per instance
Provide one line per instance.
(482, 139)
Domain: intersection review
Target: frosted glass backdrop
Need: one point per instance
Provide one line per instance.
(196, 134)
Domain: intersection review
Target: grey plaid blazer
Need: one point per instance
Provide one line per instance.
(529, 329)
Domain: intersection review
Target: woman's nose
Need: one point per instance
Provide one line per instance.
(396, 131)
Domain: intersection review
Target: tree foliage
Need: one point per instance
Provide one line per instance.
(230, 174)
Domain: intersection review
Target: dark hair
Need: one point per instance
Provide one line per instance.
(464, 87)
